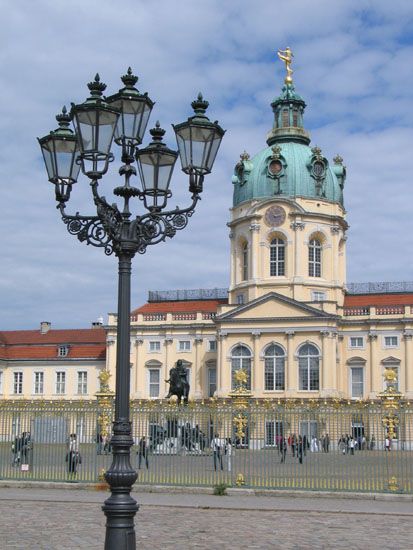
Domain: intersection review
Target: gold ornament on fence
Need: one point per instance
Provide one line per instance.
(240, 480)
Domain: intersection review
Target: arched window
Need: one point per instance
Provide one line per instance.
(309, 367)
(241, 359)
(244, 261)
(277, 258)
(314, 258)
(274, 368)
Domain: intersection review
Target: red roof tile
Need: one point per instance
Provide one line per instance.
(184, 306)
(378, 299)
(31, 344)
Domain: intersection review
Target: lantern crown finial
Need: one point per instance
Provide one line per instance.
(157, 133)
(200, 105)
(96, 87)
(63, 118)
(129, 79)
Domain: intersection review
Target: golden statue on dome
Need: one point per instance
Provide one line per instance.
(287, 56)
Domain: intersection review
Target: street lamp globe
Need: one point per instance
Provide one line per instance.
(135, 109)
(156, 163)
(60, 150)
(198, 140)
(95, 123)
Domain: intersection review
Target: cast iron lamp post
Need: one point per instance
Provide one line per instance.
(98, 122)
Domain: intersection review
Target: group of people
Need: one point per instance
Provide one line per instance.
(103, 444)
(21, 448)
(298, 445)
(221, 447)
(73, 457)
(347, 444)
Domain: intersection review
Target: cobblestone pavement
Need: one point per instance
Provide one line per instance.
(77, 524)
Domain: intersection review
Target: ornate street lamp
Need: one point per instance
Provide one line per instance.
(98, 122)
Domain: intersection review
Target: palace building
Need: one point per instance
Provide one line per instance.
(288, 318)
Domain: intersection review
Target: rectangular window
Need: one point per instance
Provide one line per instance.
(184, 345)
(82, 382)
(273, 432)
(17, 383)
(62, 351)
(154, 346)
(394, 383)
(357, 382)
(38, 383)
(277, 258)
(319, 296)
(314, 259)
(60, 383)
(391, 341)
(356, 342)
(285, 118)
(154, 380)
(212, 345)
(240, 299)
(212, 381)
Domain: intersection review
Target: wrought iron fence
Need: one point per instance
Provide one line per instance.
(270, 444)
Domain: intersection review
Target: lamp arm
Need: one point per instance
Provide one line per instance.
(155, 227)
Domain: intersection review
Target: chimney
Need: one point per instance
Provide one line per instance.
(45, 326)
(98, 323)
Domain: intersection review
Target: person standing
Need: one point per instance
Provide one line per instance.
(352, 445)
(283, 449)
(228, 452)
(387, 444)
(300, 449)
(327, 443)
(143, 453)
(216, 446)
(73, 457)
(293, 444)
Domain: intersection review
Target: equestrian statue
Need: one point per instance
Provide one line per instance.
(178, 383)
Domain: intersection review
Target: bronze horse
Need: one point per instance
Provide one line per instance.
(178, 384)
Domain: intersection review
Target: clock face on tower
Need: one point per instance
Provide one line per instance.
(275, 216)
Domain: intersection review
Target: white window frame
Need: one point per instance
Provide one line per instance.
(158, 346)
(395, 366)
(350, 346)
(18, 382)
(277, 257)
(362, 382)
(315, 258)
(212, 345)
(1, 381)
(152, 384)
(209, 383)
(58, 383)
(36, 382)
(391, 346)
(63, 350)
(82, 382)
(240, 299)
(184, 349)
(245, 262)
(318, 296)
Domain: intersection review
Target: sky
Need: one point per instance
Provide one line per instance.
(352, 65)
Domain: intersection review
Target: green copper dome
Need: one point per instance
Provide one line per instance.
(288, 167)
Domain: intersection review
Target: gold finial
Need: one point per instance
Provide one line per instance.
(287, 56)
(244, 156)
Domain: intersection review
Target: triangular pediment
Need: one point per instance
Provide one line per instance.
(274, 306)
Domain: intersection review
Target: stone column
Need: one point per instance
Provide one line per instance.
(254, 249)
(291, 375)
(373, 389)
(324, 362)
(222, 363)
(138, 383)
(408, 367)
(297, 273)
(256, 378)
(233, 279)
(197, 372)
(167, 343)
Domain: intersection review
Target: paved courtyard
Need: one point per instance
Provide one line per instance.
(55, 519)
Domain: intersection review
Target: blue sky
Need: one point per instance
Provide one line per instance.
(353, 66)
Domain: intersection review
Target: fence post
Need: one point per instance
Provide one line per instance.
(391, 402)
(104, 413)
(241, 396)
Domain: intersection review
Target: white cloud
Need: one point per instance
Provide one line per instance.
(352, 66)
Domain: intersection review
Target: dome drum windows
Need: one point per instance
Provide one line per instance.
(314, 258)
(309, 368)
(274, 373)
(318, 170)
(276, 165)
(277, 257)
